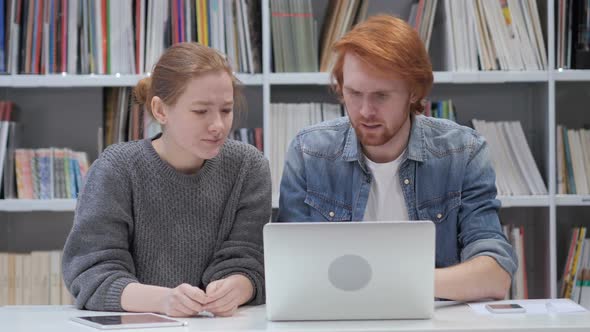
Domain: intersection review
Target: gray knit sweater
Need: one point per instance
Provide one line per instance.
(140, 220)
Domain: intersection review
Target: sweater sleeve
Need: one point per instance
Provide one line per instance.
(97, 264)
(242, 250)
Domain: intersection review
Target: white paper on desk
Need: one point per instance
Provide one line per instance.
(533, 307)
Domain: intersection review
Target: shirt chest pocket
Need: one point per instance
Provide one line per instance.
(440, 209)
(329, 209)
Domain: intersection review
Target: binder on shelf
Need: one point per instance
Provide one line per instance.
(32, 279)
(573, 161)
(516, 170)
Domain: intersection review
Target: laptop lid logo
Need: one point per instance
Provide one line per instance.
(350, 273)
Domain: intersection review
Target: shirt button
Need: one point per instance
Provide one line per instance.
(331, 214)
(439, 216)
(406, 181)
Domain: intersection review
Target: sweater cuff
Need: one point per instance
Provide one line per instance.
(257, 284)
(254, 288)
(113, 297)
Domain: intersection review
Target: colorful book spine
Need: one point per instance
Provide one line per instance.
(33, 161)
(571, 184)
(24, 180)
(44, 162)
(58, 156)
(74, 174)
(66, 174)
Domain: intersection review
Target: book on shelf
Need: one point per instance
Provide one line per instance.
(252, 136)
(575, 280)
(573, 34)
(422, 13)
(341, 16)
(285, 122)
(124, 120)
(294, 36)
(443, 109)
(573, 161)
(8, 143)
(478, 34)
(32, 279)
(493, 35)
(294, 23)
(516, 170)
(515, 236)
(123, 36)
(581, 285)
(52, 173)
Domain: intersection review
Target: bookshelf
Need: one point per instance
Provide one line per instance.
(440, 77)
(572, 75)
(572, 200)
(490, 77)
(538, 99)
(29, 205)
(524, 201)
(66, 80)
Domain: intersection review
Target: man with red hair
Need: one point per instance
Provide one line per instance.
(386, 161)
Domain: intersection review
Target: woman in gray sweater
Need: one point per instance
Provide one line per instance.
(173, 224)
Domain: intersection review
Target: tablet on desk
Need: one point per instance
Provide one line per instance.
(130, 321)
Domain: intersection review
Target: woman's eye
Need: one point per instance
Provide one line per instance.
(229, 110)
(200, 111)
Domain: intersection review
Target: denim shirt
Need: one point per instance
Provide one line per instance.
(447, 178)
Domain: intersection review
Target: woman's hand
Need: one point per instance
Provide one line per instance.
(226, 295)
(183, 301)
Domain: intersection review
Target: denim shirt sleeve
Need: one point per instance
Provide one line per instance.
(480, 233)
(293, 190)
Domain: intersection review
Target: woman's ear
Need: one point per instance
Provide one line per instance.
(159, 110)
(413, 98)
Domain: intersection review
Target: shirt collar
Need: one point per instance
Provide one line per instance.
(416, 149)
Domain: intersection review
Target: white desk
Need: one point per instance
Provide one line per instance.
(252, 319)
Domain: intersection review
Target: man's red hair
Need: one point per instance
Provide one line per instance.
(390, 45)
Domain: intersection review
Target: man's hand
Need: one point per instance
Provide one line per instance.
(226, 295)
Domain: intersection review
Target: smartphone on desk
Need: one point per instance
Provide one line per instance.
(505, 308)
(130, 321)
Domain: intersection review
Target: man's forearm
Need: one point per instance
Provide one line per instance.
(478, 278)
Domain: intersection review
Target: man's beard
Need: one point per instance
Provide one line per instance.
(377, 138)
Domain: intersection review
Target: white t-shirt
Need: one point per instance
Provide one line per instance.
(386, 199)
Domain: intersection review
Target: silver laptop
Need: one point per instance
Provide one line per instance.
(350, 270)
